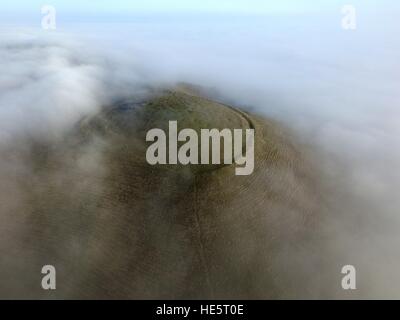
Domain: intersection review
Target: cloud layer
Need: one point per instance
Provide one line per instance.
(337, 90)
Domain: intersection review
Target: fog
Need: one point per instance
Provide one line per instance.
(336, 89)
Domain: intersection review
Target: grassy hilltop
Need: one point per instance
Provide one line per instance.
(116, 227)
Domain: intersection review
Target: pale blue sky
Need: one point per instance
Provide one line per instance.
(118, 10)
(132, 6)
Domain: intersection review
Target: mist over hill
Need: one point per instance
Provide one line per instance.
(333, 94)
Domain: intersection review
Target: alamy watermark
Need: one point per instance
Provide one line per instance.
(349, 280)
(188, 153)
(49, 280)
(349, 20)
(49, 19)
